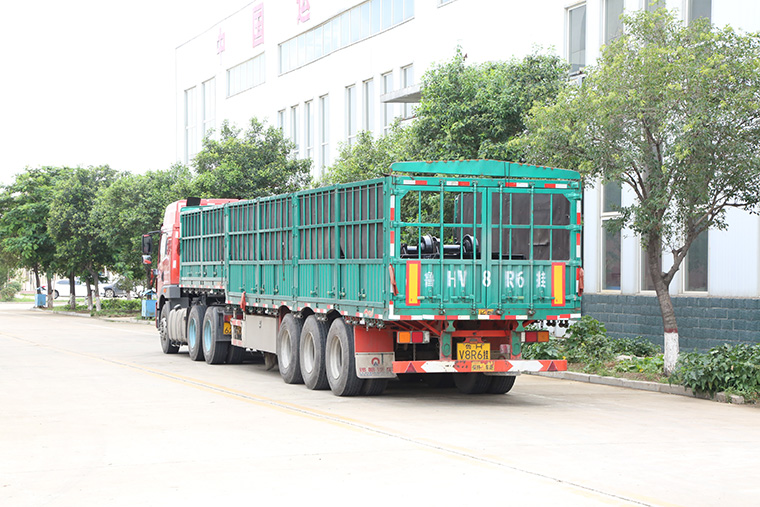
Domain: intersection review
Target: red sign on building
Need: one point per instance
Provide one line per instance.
(258, 24)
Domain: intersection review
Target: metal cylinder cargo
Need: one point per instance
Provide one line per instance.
(433, 272)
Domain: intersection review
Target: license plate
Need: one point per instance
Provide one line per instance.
(473, 351)
(227, 329)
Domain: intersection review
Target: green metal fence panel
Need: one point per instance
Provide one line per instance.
(448, 244)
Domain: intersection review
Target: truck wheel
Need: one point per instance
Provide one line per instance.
(472, 383)
(312, 353)
(501, 385)
(214, 352)
(288, 338)
(235, 354)
(340, 361)
(194, 332)
(167, 345)
(374, 386)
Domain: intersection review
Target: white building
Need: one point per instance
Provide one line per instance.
(323, 70)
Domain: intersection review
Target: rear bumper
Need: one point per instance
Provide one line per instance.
(494, 366)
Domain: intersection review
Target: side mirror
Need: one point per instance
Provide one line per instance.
(147, 244)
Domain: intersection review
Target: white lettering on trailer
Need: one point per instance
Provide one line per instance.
(511, 279)
(429, 279)
(451, 278)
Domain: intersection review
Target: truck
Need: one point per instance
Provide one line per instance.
(437, 271)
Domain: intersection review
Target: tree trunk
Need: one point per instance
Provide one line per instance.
(669, 325)
(36, 271)
(94, 276)
(72, 293)
(49, 300)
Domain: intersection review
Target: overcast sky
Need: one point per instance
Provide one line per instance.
(85, 82)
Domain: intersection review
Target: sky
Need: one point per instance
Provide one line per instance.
(87, 83)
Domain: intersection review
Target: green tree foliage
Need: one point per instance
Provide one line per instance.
(24, 210)
(133, 205)
(371, 157)
(80, 239)
(254, 163)
(466, 112)
(473, 111)
(673, 112)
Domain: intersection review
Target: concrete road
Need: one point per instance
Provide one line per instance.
(92, 413)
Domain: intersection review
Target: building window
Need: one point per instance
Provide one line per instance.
(324, 133)
(344, 29)
(611, 239)
(368, 105)
(695, 270)
(209, 106)
(653, 5)
(294, 125)
(246, 75)
(613, 25)
(308, 128)
(699, 9)
(191, 137)
(281, 121)
(407, 79)
(576, 39)
(387, 108)
(350, 114)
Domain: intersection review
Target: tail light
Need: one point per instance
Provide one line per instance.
(413, 337)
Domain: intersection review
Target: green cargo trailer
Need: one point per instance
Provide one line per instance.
(433, 269)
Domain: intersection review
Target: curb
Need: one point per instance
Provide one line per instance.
(642, 385)
(130, 320)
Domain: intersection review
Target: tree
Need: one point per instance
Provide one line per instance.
(673, 112)
(133, 205)
(469, 112)
(80, 240)
(256, 164)
(24, 210)
(465, 112)
(371, 157)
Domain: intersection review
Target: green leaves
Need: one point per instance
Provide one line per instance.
(248, 164)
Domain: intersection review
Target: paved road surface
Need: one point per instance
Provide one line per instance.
(92, 413)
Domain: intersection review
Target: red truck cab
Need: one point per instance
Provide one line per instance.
(168, 253)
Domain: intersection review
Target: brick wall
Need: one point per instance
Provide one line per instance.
(703, 322)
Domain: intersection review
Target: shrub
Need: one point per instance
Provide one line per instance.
(734, 368)
(635, 347)
(9, 290)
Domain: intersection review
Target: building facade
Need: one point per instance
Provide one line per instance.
(324, 70)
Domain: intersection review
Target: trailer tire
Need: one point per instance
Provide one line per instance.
(167, 345)
(195, 331)
(312, 353)
(214, 351)
(472, 383)
(501, 384)
(235, 354)
(340, 362)
(374, 386)
(288, 339)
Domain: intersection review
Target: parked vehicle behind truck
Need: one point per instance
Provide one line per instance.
(436, 270)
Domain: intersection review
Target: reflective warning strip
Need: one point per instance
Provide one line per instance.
(457, 183)
(564, 316)
(393, 243)
(413, 282)
(415, 182)
(555, 185)
(393, 207)
(558, 284)
(495, 366)
(513, 184)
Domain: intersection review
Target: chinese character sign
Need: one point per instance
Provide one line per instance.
(304, 10)
(258, 24)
